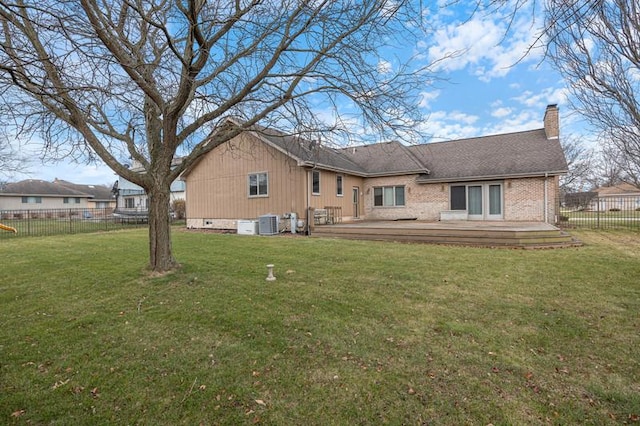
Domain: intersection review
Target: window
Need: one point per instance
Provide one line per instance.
(339, 192)
(481, 200)
(31, 200)
(71, 200)
(129, 203)
(315, 182)
(258, 185)
(459, 197)
(388, 196)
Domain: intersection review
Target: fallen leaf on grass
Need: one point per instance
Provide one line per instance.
(528, 375)
(18, 413)
(260, 402)
(95, 393)
(56, 385)
(634, 417)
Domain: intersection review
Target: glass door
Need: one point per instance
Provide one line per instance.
(494, 196)
(356, 198)
(474, 202)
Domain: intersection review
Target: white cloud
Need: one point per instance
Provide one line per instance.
(549, 95)
(427, 97)
(501, 112)
(450, 125)
(384, 67)
(480, 45)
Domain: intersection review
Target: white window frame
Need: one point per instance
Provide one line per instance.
(257, 177)
(339, 185)
(385, 190)
(313, 178)
(30, 199)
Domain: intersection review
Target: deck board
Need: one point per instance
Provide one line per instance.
(468, 233)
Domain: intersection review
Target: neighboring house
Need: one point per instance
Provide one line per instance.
(35, 194)
(132, 198)
(102, 197)
(623, 196)
(510, 177)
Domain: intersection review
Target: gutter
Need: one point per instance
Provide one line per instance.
(491, 177)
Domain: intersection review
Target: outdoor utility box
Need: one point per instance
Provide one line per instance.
(247, 227)
(268, 224)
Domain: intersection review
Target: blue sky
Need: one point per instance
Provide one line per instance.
(490, 87)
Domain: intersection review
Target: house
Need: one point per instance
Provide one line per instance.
(509, 177)
(132, 199)
(623, 196)
(101, 196)
(33, 194)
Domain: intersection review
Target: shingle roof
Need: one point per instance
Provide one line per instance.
(620, 189)
(310, 152)
(527, 153)
(41, 188)
(389, 158)
(97, 192)
(57, 188)
(512, 154)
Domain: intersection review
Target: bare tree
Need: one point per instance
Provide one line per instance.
(579, 162)
(596, 46)
(149, 79)
(10, 161)
(606, 169)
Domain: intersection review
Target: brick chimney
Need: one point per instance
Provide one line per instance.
(552, 122)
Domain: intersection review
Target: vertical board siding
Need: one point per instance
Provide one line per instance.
(328, 192)
(218, 185)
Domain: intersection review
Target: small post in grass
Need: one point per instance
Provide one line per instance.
(270, 277)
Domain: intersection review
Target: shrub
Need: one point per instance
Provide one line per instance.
(179, 209)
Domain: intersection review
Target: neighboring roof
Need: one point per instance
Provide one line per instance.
(620, 189)
(97, 192)
(40, 188)
(527, 153)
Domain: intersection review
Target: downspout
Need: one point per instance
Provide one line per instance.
(308, 196)
(546, 198)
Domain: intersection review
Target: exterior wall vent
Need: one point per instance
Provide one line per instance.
(268, 224)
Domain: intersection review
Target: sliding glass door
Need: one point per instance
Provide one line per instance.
(474, 204)
(482, 201)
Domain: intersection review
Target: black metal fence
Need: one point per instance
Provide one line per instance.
(612, 212)
(63, 221)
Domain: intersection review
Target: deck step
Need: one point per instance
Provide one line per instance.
(553, 238)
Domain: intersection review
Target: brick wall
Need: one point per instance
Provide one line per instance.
(524, 199)
(422, 201)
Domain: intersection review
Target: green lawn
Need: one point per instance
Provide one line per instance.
(350, 333)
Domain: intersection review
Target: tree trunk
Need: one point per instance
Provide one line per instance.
(160, 256)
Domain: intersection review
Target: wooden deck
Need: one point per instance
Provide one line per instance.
(470, 233)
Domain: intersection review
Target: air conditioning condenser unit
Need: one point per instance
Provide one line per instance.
(268, 224)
